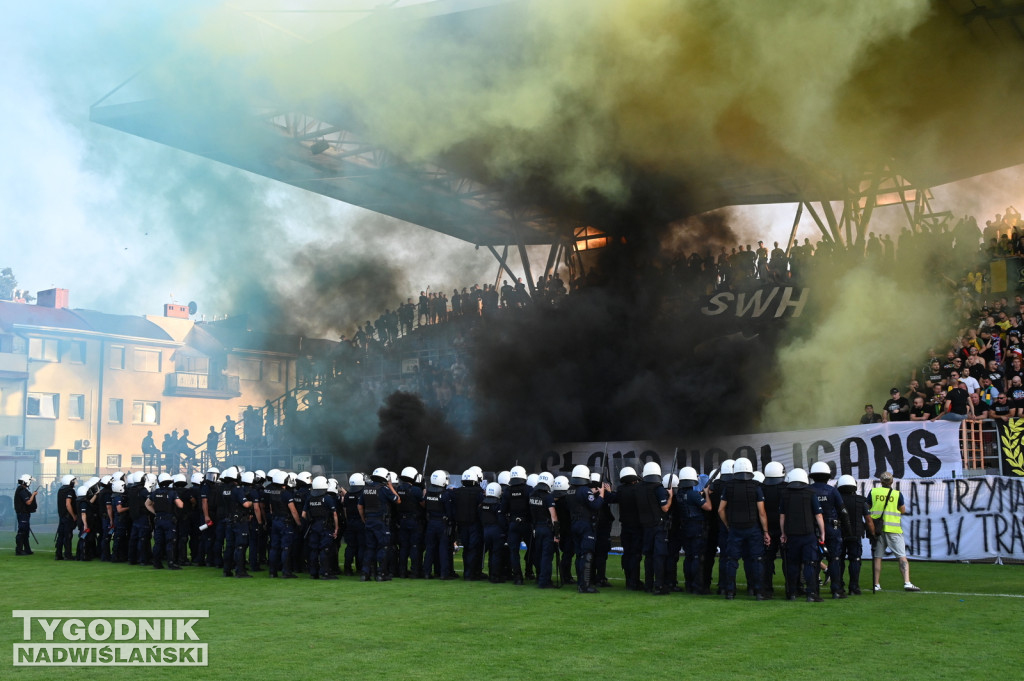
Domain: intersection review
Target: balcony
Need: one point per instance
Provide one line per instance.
(13, 366)
(217, 387)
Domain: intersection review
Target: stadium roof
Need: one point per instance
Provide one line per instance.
(319, 144)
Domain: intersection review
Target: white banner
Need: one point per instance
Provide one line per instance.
(926, 449)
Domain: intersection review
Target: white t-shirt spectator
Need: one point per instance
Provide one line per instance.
(972, 384)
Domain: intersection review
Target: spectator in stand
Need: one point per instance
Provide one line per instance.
(914, 390)
(212, 442)
(1015, 370)
(918, 412)
(897, 408)
(1015, 396)
(988, 393)
(869, 415)
(995, 375)
(1001, 409)
(977, 409)
(934, 376)
(969, 381)
(958, 404)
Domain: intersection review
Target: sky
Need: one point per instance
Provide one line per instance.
(128, 225)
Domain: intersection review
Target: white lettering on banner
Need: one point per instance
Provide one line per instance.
(908, 450)
(755, 303)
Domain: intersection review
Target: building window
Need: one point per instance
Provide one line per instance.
(74, 456)
(113, 460)
(76, 352)
(76, 407)
(147, 360)
(115, 410)
(43, 349)
(146, 412)
(249, 369)
(192, 365)
(43, 405)
(272, 371)
(12, 344)
(117, 357)
(138, 461)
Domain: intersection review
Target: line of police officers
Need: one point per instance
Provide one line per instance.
(394, 525)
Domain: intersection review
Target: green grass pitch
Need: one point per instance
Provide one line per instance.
(413, 629)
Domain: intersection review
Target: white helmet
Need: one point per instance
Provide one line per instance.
(478, 472)
(821, 468)
(408, 474)
(504, 477)
(688, 476)
(798, 475)
(727, 467)
(332, 485)
(595, 478)
(248, 478)
(531, 480)
(580, 475)
(379, 474)
(304, 476)
(270, 473)
(279, 477)
(290, 480)
(670, 481)
(319, 482)
(212, 473)
(561, 484)
(117, 486)
(392, 477)
(742, 469)
(758, 477)
(846, 481)
(260, 475)
(179, 480)
(652, 471)
(164, 479)
(105, 480)
(774, 472)
(152, 479)
(627, 474)
(545, 479)
(230, 473)
(439, 479)
(25, 478)
(117, 475)
(517, 473)
(83, 490)
(150, 482)
(91, 481)
(197, 478)
(493, 490)
(468, 475)
(356, 480)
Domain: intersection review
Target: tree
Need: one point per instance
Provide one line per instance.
(7, 284)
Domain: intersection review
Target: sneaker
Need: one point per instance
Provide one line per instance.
(910, 587)
(878, 587)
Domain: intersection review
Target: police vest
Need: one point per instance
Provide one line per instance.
(63, 494)
(275, 502)
(317, 508)
(210, 489)
(185, 494)
(435, 503)
(886, 514)
(772, 494)
(467, 499)
(236, 508)
(21, 497)
(856, 505)
(628, 514)
(224, 503)
(136, 501)
(826, 501)
(692, 511)
(373, 505)
(351, 506)
(162, 502)
(741, 511)
(490, 511)
(410, 501)
(648, 507)
(518, 502)
(538, 512)
(579, 509)
(564, 516)
(796, 505)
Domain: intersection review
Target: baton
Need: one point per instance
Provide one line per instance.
(33, 535)
(425, 457)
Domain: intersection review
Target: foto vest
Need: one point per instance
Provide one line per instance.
(886, 512)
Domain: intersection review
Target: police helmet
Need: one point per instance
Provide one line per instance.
(419, 479)
(468, 476)
(248, 478)
(319, 482)
(846, 481)
(392, 477)
(820, 472)
(105, 480)
(595, 479)
(92, 481)
(652, 471)
(164, 479)
(332, 485)
(117, 475)
(493, 490)
(197, 478)
(230, 473)
(531, 480)
(670, 481)
(439, 479)
(759, 477)
(379, 474)
(356, 480)
(25, 479)
(408, 474)
(798, 476)
(260, 475)
(688, 476)
(517, 475)
(773, 473)
(212, 473)
(478, 472)
(545, 480)
(580, 475)
(305, 477)
(179, 480)
(742, 469)
(627, 474)
(279, 477)
(290, 480)
(727, 469)
(117, 486)
(150, 482)
(82, 491)
(270, 474)
(504, 477)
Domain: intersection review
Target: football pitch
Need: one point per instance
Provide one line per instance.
(966, 624)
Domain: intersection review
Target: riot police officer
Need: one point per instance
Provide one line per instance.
(209, 547)
(584, 503)
(162, 503)
(373, 506)
(24, 507)
(560, 492)
(122, 520)
(67, 515)
(743, 516)
(692, 507)
(467, 519)
(802, 524)
(545, 527)
(284, 519)
(772, 488)
(494, 524)
(632, 534)
(182, 518)
(322, 513)
(519, 529)
(603, 533)
(355, 530)
(653, 502)
(139, 552)
(837, 522)
(410, 525)
(437, 540)
(859, 510)
(238, 503)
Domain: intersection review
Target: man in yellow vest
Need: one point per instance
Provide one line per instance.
(887, 509)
